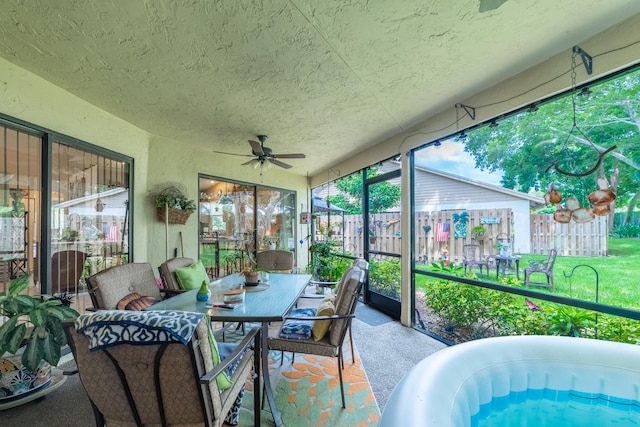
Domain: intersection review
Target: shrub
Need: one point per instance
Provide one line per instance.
(384, 277)
(628, 230)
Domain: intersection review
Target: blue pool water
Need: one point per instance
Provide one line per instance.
(554, 408)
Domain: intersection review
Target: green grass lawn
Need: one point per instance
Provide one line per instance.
(618, 277)
(618, 282)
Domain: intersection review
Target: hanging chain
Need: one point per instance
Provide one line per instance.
(567, 154)
(573, 86)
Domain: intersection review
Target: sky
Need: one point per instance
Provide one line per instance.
(450, 157)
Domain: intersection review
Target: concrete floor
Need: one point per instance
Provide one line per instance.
(388, 350)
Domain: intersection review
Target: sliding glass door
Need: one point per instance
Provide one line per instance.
(238, 220)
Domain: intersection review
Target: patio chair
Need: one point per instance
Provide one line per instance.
(108, 287)
(541, 267)
(167, 272)
(167, 375)
(66, 270)
(275, 260)
(472, 256)
(331, 344)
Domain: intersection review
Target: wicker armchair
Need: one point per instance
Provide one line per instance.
(162, 382)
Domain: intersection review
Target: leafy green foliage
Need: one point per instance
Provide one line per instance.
(465, 306)
(524, 144)
(382, 196)
(447, 268)
(568, 321)
(325, 266)
(628, 230)
(36, 320)
(384, 276)
(174, 197)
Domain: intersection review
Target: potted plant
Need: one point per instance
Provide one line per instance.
(324, 265)
(172, 204)
(69, 235)
(478, 232)
(33, 326)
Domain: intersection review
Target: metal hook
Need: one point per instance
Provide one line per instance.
(587, 60)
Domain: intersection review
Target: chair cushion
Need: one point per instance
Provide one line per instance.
(111, 285)
(298, 329)
(191, 277)
(136, 302)
(320, 327)
(223, 380)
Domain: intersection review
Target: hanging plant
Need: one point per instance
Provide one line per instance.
(172, 204)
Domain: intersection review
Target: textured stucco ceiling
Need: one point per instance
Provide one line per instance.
(324, 77)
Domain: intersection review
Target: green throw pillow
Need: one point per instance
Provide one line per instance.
(191, 277)
(223, 380)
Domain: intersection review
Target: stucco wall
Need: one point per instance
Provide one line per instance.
(31, 99)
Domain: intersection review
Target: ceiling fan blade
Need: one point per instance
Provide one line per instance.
(279, 163)
(249, 162)
(233, 154)
(256, 147)
(289, 156)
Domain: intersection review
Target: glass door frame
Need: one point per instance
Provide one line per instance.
(383, 303)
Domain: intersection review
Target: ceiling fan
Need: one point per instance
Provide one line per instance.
(263, 154)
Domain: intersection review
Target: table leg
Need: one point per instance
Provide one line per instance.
(265, 375)
(497, 268)
(518, 269)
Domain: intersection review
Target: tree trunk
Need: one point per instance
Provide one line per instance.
(632, 204)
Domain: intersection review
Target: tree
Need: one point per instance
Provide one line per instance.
(525, 144)
(382, 196)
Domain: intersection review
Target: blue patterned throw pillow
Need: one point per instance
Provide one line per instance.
(298, 329)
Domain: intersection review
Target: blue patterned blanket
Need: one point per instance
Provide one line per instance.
(111, 327)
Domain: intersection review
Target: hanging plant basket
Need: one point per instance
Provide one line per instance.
(173, 215)
(172, 205)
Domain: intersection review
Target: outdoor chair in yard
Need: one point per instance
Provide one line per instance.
(541, 267)
(160, 368)
(472, 256)
(323, 334)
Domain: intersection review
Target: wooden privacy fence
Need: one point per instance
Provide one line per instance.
(572, 239)
(587, 239)
(386, 227)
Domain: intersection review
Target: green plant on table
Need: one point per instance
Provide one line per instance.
(34, 320)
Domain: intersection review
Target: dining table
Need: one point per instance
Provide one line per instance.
(264, 303)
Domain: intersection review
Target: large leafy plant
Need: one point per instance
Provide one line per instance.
(34, 320)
